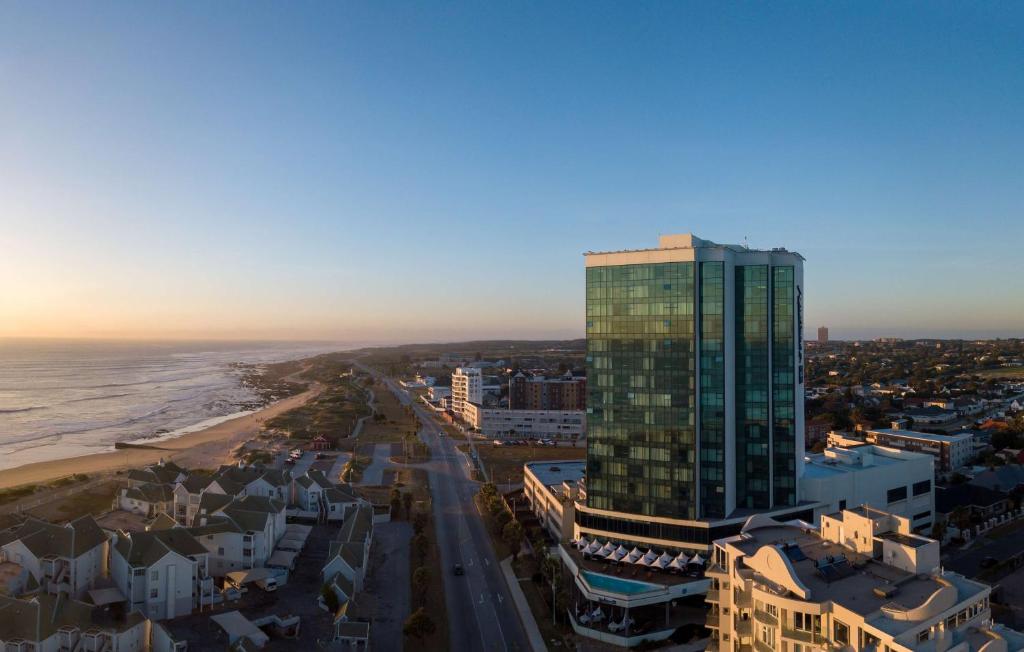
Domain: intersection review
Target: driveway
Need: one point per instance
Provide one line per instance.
(386, 595)
(374, 473)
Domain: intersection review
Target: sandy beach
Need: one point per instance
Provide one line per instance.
(206, 448)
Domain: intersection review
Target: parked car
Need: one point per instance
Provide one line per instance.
(458, 569)
(268, 584)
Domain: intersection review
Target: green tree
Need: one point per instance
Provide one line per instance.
(421, 582)
(407, 503)
(419, 545)
(512, 534)
(419, 522)
(396, 503)
(418, 625)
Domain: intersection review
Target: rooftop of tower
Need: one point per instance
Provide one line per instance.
(690, 241)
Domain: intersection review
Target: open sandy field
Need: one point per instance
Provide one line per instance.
(202, 449)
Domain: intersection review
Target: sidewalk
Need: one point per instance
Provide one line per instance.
(522, 607)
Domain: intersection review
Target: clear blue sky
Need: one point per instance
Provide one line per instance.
(400, 171)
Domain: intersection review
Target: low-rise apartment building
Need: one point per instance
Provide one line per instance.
(65, 558)
(523, 424)
(861, 581)
(539, 393)
(467, 389)
(551, 488)
(47, 623)
(951, 452)
(162, 573)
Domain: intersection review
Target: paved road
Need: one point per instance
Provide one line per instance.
(481, 615)
(387, 583)
(374, 473)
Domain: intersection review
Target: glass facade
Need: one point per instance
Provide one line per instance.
(641, 368)
(753, 460)
(783, 382)
(712, 390)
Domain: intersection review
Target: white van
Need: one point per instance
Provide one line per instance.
(268, 584)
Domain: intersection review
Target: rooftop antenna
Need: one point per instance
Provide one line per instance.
(745, 244)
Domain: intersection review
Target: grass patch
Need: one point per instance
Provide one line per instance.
(94, 500)
(504, 464)
(424, 553)
(391, 421)
(17, 493)
(333, 413)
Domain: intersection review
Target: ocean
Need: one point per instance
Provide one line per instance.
(62, 398)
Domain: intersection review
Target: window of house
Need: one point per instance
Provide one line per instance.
(220, 551)
(922, 636)
(154, 575)
(923, 487)
(897, 494)
(153, 593)
(840, 632)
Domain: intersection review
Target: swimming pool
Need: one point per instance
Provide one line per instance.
(617, 584)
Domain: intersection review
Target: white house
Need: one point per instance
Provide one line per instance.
(60, 559)
(349, 553)
(162, 573)
(147, 498)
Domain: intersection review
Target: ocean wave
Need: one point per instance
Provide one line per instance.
(98, 398)
(22, 409)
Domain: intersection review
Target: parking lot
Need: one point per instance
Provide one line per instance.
(298, 597)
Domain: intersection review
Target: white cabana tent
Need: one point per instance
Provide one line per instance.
(619, 553)
(607, 549)
(647, 559)
(633, 555)
(697, 559)
(594, 546)
(582, 543)
(679, 562)
(663, 561)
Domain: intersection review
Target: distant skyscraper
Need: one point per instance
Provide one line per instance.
(694, 386)
(823, 334)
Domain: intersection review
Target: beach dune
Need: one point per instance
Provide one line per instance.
(206, 448)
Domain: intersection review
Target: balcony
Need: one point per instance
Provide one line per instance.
(760, 646)
(712, 596)
(743, 628)
(802, 636)
(765, 617)
(712, 621)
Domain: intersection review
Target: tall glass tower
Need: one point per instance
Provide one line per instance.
(695, 385)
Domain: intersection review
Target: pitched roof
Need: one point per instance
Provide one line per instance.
(44, 539)
(196, 482)
(41, 616)
(966, 495)
(147, 548)
(151, 493)
(162, 522)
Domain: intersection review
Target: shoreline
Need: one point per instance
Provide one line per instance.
(205, 448)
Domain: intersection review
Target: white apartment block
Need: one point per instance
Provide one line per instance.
(551, 487)
(899, 481)
(467, 388)
(162, 574)
(523, 424)
(951, 452)
(861, 582)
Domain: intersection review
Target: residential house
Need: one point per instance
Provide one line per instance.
(161, 573)
(160, 473)
(147, 499)
(349, 553)
(47, 623)
(65, 558)
(980, 502)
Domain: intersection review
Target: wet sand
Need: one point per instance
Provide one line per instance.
(207, 448)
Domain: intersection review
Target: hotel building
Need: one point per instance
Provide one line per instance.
(860, 581)
(467, 387)
(694, 391)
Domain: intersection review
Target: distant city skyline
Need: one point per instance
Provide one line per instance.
(381, 173)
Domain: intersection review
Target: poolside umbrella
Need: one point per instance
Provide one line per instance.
(647, 559)
(582, 543)
(679, 562)
(592, 548)
(664, 560)
(697, 559)
(606, 550)
(619, 553)
(634, 555)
